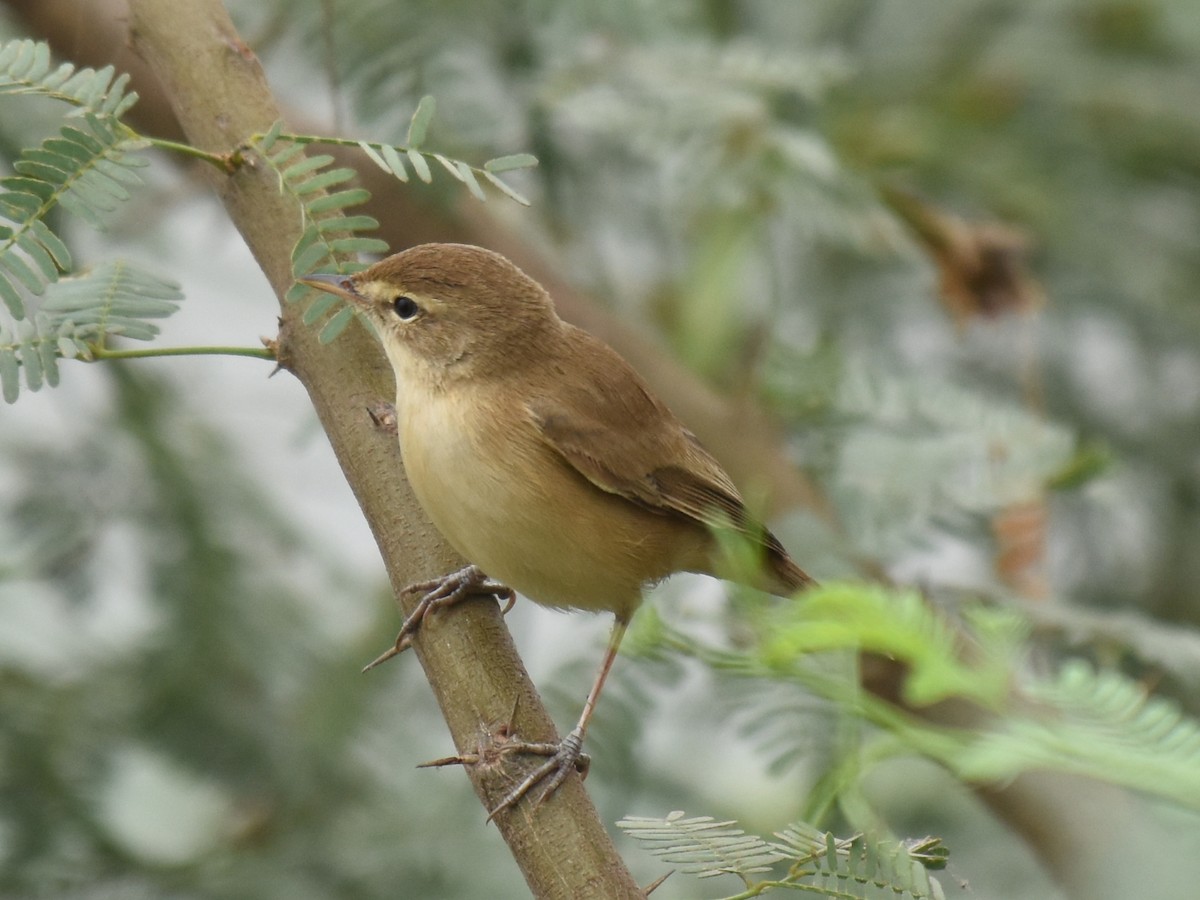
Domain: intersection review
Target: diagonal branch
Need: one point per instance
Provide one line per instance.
(220, 97)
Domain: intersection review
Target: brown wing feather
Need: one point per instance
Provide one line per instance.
(602, 419)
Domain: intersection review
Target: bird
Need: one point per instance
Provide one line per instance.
(542, 457)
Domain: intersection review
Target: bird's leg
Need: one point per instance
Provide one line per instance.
(437, 593)
(567, 755)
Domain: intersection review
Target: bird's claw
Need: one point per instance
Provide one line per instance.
(565, 757)
(448, 590)
(468, 760)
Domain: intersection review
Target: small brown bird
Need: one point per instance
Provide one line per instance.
(540, 454)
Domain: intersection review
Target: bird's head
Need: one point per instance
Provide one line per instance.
(448, 310)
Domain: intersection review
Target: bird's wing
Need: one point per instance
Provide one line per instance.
(602, 419)
(635, 461)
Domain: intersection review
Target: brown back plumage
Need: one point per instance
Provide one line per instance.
(602, 419)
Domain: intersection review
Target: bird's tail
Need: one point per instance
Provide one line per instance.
(788, 576)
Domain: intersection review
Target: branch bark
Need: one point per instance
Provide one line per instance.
(220, 96)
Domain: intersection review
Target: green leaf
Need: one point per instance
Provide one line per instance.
(308, 259)
(46, 155)
(374, 156)
(319, 307)
(41, 62)
(55, 247)
(342, 199)
(122, 171)
(31, 362)
(34, 250)
(92, 195)
(268, 140)
(8, 52)
(73, 150)
(78, 206)
(67, 348)
(505, 189)
(308, 237)
(336, 325)
(289, 152)
(11, 298)
(308, 164)
(347, 223)
(121, 108)
(468, 176)
(25, 194)
(97, 87)
(24, 59)
(702, 846)
(21, 271)
(114, 298)
(10, 374)
(420, 166)
(358, 245)
(76, 136)
(298, 292)
(116, 95)
(98, 181)
(420, 122)
(449, 165)
(395, 163)
(41, 171)
(324, 180)
(507, 163)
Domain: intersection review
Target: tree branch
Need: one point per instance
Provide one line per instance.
(220, 97)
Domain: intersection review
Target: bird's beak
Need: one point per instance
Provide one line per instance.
(339, 285)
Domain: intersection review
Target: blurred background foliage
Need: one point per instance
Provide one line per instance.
(954, 248)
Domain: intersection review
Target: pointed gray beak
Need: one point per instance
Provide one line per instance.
(341, 285)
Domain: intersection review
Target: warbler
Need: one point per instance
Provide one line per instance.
(540, 455)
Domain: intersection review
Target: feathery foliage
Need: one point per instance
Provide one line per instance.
(330, 236)
(84, 169)
(1077, 719)
(330, 232)
(87, 169)
(1097, 723)
(115, 299)
(25, 69)
(825, 865)
(30, 345)
(78, 315)
(389, 159)
(702, 846)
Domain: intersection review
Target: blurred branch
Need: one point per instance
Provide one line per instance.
(218, 91)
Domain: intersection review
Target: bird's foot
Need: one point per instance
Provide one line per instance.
(442, 592)
(563, 758)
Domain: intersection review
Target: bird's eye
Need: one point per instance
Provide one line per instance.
(405, 307)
